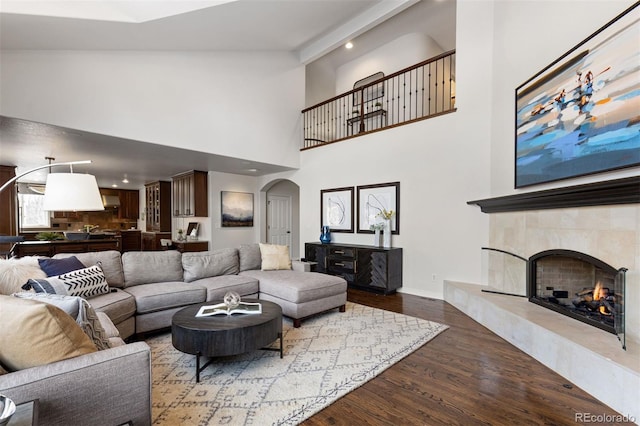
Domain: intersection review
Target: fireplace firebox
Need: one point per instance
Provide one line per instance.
(579, 286)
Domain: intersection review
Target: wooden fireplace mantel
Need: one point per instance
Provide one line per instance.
(611, 192)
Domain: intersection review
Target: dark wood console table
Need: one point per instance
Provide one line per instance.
(189, 246)
(375, 269)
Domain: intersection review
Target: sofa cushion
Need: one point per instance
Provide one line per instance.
(110, 261)
(14, 273)
(117, 304)
(160, 296)
(203, 264)
(87, 283)
(275, 257)
(80, 310)
(144, 267)
(53, 267)
(298, 287)
(250, 257)
(218, 286)
(33, 333)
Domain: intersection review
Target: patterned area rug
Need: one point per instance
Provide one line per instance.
(326, 358)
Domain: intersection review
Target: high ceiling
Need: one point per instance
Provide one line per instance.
(310, 29)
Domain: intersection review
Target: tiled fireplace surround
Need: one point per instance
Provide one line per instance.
(569, 347)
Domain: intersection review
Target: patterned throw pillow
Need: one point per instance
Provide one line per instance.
(86, 283)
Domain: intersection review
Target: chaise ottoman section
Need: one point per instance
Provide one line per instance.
(301, 294)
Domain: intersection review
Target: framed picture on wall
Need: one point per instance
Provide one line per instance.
(579, 115)
(336, 209)
(236, 208)
(376, 200)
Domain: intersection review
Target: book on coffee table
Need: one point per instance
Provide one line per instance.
(221, 308)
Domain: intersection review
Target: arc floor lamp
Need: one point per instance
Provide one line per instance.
(67, 191)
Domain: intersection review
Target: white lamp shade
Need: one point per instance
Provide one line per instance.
(72, 192)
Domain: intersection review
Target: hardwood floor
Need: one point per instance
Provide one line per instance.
(465, 376)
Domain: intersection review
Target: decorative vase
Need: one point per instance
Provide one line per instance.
(377, 238)
(386, 234)
(325, 236)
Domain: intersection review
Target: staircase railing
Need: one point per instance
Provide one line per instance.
(422, 91)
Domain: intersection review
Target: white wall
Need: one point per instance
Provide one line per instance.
(398, 54)
(440, 163)
(233, 236)
(518, 55)
(609, 233)
(244, 105)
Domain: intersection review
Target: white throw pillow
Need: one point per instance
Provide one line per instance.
(14, 273)
(275, 257)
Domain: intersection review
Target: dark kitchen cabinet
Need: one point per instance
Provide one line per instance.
(158, 200)
(189, 193)
(129, 204)
(369, 268)
(131, 240)
(150, 241)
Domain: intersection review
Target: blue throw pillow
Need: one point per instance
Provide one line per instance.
(54, 267)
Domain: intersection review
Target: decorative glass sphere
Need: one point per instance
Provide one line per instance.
(231, 299)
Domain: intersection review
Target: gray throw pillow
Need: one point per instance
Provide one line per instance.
(250, 257)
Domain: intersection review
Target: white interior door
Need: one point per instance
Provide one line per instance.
(279, 220)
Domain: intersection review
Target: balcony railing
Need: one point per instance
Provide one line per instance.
(421, 91)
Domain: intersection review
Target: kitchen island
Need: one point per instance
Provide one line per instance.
(50, 248)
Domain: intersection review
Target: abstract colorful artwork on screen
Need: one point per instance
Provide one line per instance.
(581, 115)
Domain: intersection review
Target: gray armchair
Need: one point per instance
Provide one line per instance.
(109, 387)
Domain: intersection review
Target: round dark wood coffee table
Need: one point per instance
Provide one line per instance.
(223, 335)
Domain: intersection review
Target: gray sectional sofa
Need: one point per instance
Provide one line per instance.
(149, 287)
(113, 386)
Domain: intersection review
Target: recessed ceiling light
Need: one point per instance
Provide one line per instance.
(349, 45)
(114, 186)
(125, 180)
(252, 170)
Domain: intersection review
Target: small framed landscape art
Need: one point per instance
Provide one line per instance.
(579, 115)
(236, 208)
(375, 202)
(336, 209)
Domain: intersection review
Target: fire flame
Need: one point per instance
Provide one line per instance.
(599, 293)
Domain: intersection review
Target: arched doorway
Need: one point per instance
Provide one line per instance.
(282, 213)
